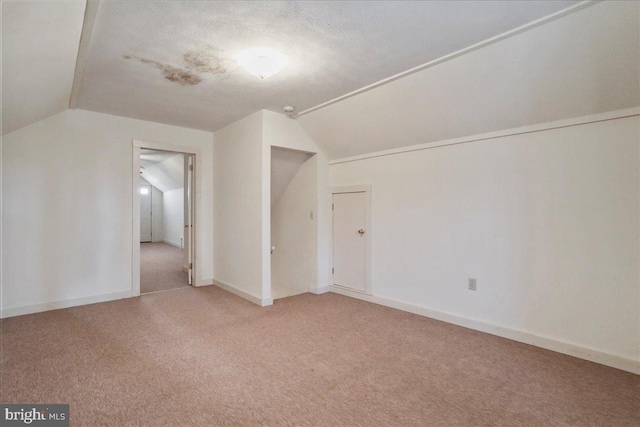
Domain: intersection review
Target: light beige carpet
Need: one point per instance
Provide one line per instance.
(203, 357)
(161, 268)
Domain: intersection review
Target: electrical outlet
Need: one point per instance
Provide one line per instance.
(472, 284)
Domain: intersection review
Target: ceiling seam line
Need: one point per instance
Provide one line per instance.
(529, 26)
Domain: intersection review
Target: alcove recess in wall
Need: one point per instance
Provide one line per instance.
(293, 222)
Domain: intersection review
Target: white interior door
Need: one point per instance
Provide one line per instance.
(145, 213)
(350, 240)
(189, 187)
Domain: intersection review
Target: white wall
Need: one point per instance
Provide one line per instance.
(173, 216)
(285, 132)
(548, 223)
(242, 202)
(68, 208)
(238, 207)
(294, 232)
(285, 164)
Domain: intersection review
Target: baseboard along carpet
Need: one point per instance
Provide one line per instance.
(202, 356)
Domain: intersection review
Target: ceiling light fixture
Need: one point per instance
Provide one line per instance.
(262, 62)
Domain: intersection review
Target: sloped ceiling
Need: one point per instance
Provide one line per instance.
(173, 62)
(39, 47)
(585, 63)
(152, 157)
(163, 170)
(285, 164)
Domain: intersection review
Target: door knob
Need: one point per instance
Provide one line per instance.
(361, 231)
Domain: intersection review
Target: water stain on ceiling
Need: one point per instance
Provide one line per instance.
(196, 63)
(333, 48)
(204, 62)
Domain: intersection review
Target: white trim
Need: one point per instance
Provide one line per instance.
(135, 226)
(576, 121)
(362, 188)
(205, 282)
(169, 242)
(262, 302)
(319, 290)
(346, 288)
(468, 49)
(163, 146)
(265, 214)
(90, 13)
(56, 305)
(597, 356)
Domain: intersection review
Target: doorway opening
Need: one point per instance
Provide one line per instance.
(166, 201)
(294, 233)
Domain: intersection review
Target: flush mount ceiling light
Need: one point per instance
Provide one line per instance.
(262, 62)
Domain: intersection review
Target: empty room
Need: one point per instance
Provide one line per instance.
(320, 213)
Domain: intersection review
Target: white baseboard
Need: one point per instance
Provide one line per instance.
(169, 242)
(205, 282)
(597, 356)
(262, 302)
(319, 290)
(56, 305)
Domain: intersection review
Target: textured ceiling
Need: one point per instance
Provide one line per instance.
(39, 48)
(172, 62)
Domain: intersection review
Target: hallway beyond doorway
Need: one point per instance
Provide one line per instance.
(161, 268)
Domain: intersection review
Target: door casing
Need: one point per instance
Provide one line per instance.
(365, 188)
(137, 145)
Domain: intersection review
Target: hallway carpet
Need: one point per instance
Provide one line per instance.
(161, 268)
(204, 357)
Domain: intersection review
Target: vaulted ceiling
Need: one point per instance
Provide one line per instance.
(39, 49)
(162, 169)
(173, 62)
(333, 48)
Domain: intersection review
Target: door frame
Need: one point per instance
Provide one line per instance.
(363, 188)
(137, 146)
